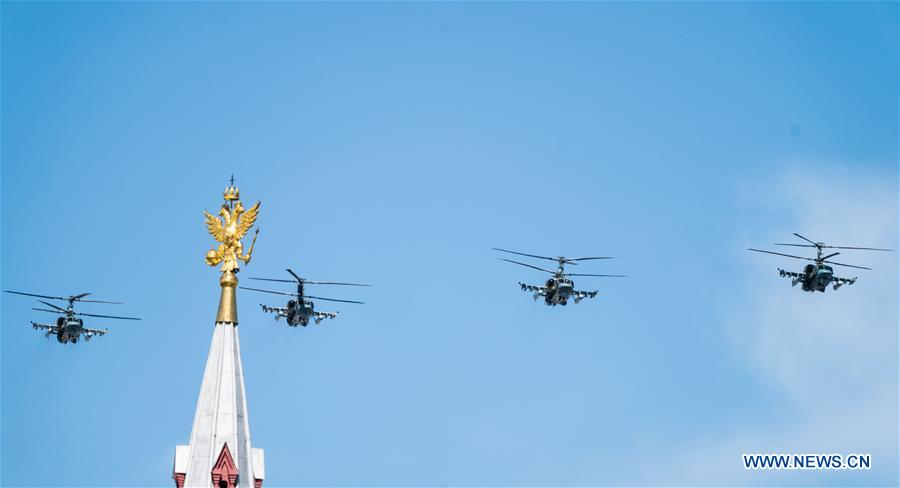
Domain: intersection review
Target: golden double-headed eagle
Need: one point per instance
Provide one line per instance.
(229, 231)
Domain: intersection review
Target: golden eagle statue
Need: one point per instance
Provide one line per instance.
(234, 224)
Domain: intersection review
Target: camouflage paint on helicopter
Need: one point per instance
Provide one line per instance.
(818, 275)
(558, 289)
(68, 327)
(299, 310)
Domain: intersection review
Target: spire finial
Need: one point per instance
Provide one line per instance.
(228, 229)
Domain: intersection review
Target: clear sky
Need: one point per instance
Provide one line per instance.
(395, 144)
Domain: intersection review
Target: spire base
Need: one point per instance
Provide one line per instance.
(228, 300)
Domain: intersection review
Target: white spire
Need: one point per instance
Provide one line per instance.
(221, 419)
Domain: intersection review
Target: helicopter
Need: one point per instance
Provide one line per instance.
(69, 328)
(818, 275)
(559, 288)
(299, 310)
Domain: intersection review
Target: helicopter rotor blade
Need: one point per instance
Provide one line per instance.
(835, 247)
(829, 256)
(45, 310)
(35, 295)
(294, 275)
(781, 254)
(524, 254)
(274, 279)
(860, 248)
(335, 300)
(73, 298)
(807, 240)
(597, 275)
(309, 282)
(585, 259)
(811, 259)
(54, 306)
(106, 316)
(528, 265)
(848, 265)
(269, 291)
(333, 283)
(795, 245)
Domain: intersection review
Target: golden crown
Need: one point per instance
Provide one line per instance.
(232, 192)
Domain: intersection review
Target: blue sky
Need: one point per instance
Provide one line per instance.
(395, 144)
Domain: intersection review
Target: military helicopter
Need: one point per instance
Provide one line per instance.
(817, 276)
(68, 328)
(559, 288)
(299, 310)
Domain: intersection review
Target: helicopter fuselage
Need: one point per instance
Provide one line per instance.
(295, 312)
(815, 277)
(66, 329)
(69, 330)
(559, 290)
(299, 312)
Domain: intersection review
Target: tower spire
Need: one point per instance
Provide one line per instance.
(220, 454)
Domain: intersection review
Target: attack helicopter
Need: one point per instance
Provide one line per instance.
(817, 275)
(559, 288)
(68, 328)
(299, 310)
